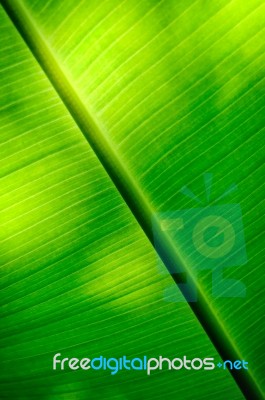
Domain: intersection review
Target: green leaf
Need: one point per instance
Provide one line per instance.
(163, 92)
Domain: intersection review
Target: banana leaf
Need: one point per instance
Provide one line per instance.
(119, 118)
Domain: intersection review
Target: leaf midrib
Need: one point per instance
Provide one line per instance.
(127, 187)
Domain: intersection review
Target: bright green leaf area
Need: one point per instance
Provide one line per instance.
(178, 90)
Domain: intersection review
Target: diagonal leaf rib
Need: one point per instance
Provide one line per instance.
(128, 188)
